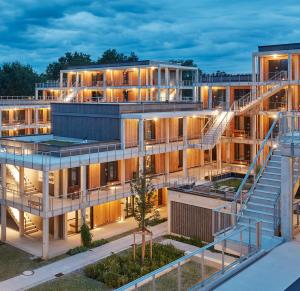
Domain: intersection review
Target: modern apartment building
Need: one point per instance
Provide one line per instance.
(110, 122)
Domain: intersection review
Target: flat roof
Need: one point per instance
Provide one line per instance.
(130, 64)
(279, 47)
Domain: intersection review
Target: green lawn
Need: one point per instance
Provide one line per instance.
(14, 261)
(73, 281)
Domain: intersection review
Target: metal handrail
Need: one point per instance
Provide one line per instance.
(253, 164)
(200, 254)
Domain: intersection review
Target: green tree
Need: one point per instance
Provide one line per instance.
(69, 59)
(112, 56)
(17, 79)
(143, 191)
(86, 236)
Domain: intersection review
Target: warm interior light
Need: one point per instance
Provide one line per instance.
(275, 56)
(155, 118)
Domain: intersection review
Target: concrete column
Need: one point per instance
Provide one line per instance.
(185, 133)
(290, 67)
(141, 165)
(177, 81)
(0, 123)
(209, 97)
(254, 68)
(65, 226)
(219, 156)
(3, 223)
(123, 173)
(83, 193)
(64, 182)
(290, 98)
(104, 85)
(56, 193)
(158, 82)
(45, 248)
(3, 207)
(297, 67)
(122, 134)
(167, 165)
(141, 135)
(139, 84)
(21, 191)
(123, 209)
(184, 163)
(36, 120)
(286, 198)
(228, 153)
(167, 128)
(227, 97)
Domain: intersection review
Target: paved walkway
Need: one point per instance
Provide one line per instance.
(32, 244)
(75, 262)
(276, 271)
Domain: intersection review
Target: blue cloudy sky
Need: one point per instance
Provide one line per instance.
(218, 35)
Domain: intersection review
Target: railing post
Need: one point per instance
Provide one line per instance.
(258, 235)
(153, 283)
(178, 277)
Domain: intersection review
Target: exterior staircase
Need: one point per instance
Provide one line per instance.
(249, 101)
(29, 226)
(29, 189)
(263, 201)
(213, 131)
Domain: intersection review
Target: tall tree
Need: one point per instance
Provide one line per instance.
(17, 79)
(112, 56)
(143, 191)
(69, 59)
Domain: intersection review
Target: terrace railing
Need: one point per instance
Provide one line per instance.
(177, 275)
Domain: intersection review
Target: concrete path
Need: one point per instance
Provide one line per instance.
(75, 262)
(32, 244)
(276, 271)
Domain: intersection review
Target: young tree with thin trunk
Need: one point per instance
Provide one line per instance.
(143, 191)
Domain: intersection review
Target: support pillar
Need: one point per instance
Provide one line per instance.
(83, 193)
(219, 156)
(210, 97)
(123, 173)
(184, 163)
(36, 120)
(167, 128)
(141, 135)
(185, 133)
(45, 248)
(123, 209)
(227, 97)
(158, 82)
(3, 207)
(290, 67)
(122, 134)
(139, 85)
(21, 191)
(286, 198)
(167, 165)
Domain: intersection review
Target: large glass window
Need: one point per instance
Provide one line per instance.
(239, 93)
(74, 177)
(276, 66)
(5, 117)
(180, 127)
(112, 171)
(218, 97)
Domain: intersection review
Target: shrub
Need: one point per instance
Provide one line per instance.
(98, 243)
(119, 269)
(86, 236)
(77, 250)
(192, 241)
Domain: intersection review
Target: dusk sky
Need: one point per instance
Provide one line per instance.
(218, 35)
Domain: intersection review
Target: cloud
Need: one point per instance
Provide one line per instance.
(215, 35)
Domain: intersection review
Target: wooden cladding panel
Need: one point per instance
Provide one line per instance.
(173, 128)
(193, 158)
(191, 221)
(160, 131)
(94, 176)
(131, 166)
(193, 127)
(159, 163)
(107, 213)
(131, 130)
(173, 161)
